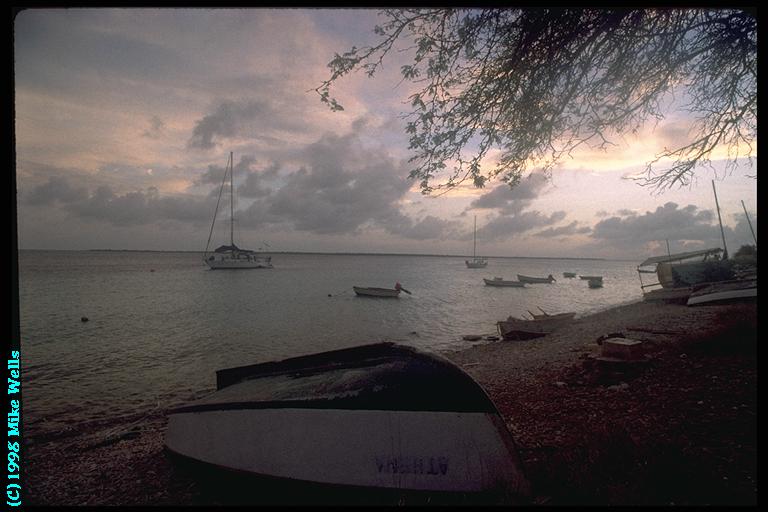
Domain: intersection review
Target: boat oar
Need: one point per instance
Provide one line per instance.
(406, 291)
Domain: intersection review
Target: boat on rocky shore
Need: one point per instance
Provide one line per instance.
(520, 329)
(378, 417)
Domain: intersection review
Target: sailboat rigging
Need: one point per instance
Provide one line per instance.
(476, 262)
(231, 256)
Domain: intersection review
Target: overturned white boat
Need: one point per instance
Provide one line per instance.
(381, 416)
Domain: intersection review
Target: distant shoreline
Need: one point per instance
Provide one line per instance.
(339, 254)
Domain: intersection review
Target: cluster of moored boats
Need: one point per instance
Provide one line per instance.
(522, 280)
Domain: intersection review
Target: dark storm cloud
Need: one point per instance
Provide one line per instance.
(428, 228)
(342, 188)
(509, 226)
(570, 229)
(140, 207)
(56, 189)
(155, 129)
(514, 199)
(253, 186)
(666, 222)
(249, 119)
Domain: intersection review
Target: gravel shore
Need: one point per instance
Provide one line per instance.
(680, 429)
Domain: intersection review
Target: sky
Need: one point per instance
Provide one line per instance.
(125, 119)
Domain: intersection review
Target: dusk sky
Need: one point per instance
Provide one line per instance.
(125, 119)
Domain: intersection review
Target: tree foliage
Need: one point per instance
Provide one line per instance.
(538, 83)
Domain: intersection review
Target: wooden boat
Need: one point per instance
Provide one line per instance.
(376, 292)
(380, 292)
(476, 262)
(374, 417)
(529, 279)
(497, 281)
(518, 329)
(724, 292)
(569, 274)
(557, 316)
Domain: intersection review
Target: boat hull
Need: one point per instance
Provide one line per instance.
(528, 279)
(408, 450)
(376, 292)
(237, 264)
(379, 417)
(498, 282)
(726, 292)
(476, 264)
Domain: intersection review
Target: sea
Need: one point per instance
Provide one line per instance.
(161, 323)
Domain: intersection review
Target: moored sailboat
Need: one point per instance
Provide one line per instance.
(231, 256)
(476, 262)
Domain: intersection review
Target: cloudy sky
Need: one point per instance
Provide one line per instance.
(125, 119)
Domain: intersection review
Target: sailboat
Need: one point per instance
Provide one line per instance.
(231, 256)
(476, 262)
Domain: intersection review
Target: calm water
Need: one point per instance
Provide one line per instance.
(158, 337)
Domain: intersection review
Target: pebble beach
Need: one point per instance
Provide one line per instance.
(681, 429)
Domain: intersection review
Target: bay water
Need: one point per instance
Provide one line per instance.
(160, 323)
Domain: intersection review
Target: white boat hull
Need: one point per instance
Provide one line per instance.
(476, 264)
(376, 292)
(238, 264)
(405, 450)
(723, 296)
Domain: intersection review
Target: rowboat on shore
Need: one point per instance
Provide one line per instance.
(497, 281)
(518, 329)
(557, 316)
(529, 279)
(380, 417)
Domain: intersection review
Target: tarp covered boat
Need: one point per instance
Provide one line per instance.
(381, 416)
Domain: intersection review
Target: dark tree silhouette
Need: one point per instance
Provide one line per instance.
(538, 83)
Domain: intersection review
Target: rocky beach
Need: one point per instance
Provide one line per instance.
(680, 428)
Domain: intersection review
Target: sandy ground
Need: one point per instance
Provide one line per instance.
(679, 429)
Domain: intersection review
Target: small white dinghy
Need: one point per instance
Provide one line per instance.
(375, 417)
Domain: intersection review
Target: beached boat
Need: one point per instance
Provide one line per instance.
(231, 256)
(497, 281)
(557, 316)
(729, 291)
(518, 329)
(476, 262)
(380, 292)
(678, 274)
(529, 279)
(569, 274)
(374, 417)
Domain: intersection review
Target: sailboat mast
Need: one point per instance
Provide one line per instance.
(474, 240)
(722, 233)
(231, 201)
(749, 222)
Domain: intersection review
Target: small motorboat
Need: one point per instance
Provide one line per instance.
(374, 417)
(380, 292)
(497, 281)
(529, 279)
